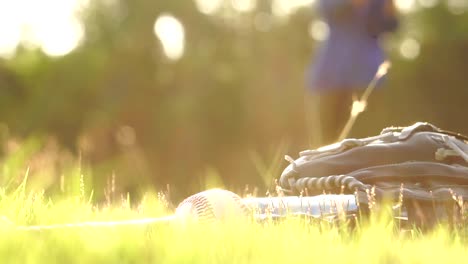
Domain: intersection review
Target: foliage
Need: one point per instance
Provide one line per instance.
(123, 107)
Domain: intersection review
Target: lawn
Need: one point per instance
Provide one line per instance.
(291, 241)
(379, 239)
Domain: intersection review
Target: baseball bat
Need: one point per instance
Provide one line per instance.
(217, 205)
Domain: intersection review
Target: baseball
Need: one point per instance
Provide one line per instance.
(211, 206)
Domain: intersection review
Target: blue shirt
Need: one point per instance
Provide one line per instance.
(351, 55)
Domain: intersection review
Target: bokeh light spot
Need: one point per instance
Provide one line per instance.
(318, 30)
(58, 39)
(428, 3)
(171, 33)
(405, 5)
(457, 7)
(410, 48)
(51, 25)
(208, 7)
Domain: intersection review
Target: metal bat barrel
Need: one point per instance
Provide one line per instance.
(313, 206)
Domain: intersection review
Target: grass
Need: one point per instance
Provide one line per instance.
(291, 241)
(378, 240)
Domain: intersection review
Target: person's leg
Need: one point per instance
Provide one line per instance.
(376, 116)
(337, 107)
(326, 116)
(312, 115)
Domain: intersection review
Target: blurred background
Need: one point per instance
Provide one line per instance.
(150, 94)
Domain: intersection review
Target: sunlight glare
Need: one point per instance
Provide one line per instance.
(208, 7)
(283, 8)
(10, 29)
(171, 33)
(58, 39)
(244, 5)
(405, 6)
(51, 25)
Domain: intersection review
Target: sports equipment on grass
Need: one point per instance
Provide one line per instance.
(421, 167)
(217, 205)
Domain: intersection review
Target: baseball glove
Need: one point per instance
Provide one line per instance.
(421, 166)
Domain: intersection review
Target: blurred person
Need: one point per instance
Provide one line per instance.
(346, 62)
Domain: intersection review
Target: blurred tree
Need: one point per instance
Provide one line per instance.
(127, 108)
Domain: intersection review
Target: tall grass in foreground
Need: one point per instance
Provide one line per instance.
(291, 241)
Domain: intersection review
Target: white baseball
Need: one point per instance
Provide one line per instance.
(212, 205)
